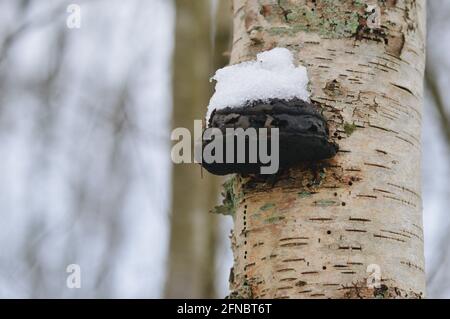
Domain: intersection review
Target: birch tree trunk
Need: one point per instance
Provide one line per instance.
(327, 229)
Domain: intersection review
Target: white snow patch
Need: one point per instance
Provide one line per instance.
(272, 75)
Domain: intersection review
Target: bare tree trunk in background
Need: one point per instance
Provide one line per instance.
(316, 231)
(431, 80)
(194, 231)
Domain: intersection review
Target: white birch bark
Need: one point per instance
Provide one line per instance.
(315, 232)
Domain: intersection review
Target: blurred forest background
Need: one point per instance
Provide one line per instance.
(85, 170)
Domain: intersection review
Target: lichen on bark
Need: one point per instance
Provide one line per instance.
(230, 198)
(265, 20)
(329, 18)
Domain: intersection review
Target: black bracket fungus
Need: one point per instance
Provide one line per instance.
(303, 134)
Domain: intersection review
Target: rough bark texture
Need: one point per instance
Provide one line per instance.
(313, 232)
(191, 272)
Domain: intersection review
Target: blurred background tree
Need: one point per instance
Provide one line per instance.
(436, 152)
(199, 47)
(84, 176)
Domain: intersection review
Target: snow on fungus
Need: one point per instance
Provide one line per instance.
(272, 76)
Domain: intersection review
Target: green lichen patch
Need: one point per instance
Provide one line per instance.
(326, 203)
(230, 199)
(304, 194)
(329, 18)
(267, 206)
(349, 128)
(273, 219)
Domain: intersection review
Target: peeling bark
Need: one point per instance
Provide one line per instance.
(313, 230)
